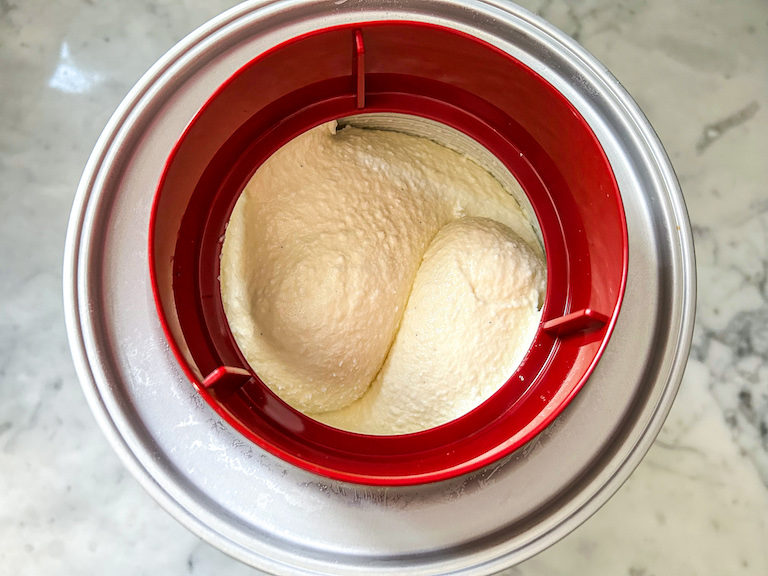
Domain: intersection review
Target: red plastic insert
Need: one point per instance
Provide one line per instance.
(426, 71)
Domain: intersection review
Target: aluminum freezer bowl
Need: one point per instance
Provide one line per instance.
(255, 479)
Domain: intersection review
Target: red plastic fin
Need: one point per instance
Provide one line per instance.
(359, 63)
(585, 320)
(226, 379)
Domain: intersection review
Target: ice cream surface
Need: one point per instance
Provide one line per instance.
(379, 282)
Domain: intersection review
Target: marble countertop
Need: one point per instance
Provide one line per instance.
(697, 505)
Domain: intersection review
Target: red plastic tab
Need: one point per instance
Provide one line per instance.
(585, 320)
(360, 69)
(226, 377)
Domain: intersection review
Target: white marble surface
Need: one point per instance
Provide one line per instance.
(697, 505)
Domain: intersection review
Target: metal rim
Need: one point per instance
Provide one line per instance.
(494, 556)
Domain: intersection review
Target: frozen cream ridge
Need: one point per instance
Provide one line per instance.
(380, 282)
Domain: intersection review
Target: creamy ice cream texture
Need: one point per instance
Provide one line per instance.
(380, 282)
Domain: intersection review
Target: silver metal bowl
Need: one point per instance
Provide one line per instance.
(285, 520)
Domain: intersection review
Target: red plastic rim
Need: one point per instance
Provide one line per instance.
(431, 72)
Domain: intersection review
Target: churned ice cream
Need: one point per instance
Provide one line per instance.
(380, 282)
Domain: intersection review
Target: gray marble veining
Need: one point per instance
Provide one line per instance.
(698, 504)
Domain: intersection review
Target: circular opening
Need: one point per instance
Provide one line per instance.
(427, 72)
(400, 395)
